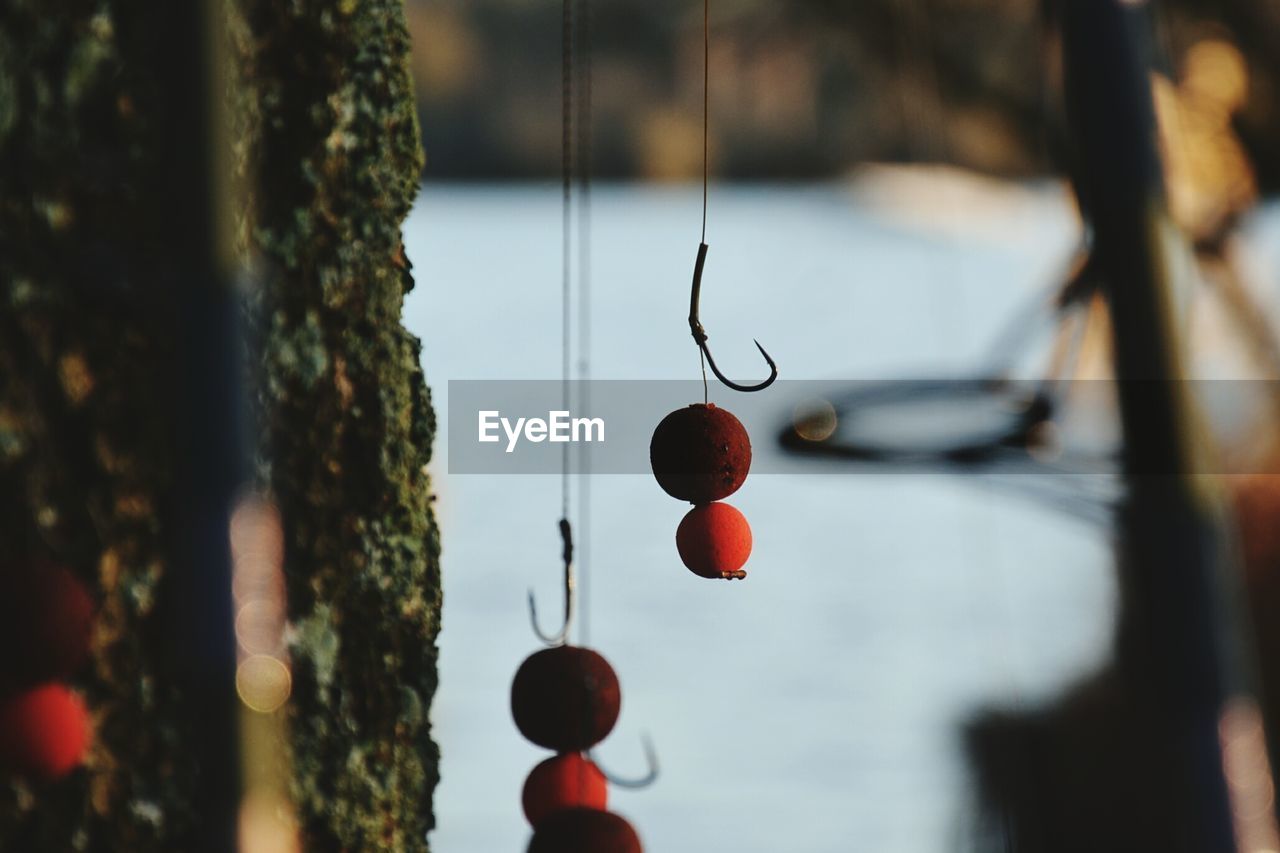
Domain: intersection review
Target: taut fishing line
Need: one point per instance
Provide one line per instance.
(585, 24)
(567, 698)
(566, 182)
(706, 130)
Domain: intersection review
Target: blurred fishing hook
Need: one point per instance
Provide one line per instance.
(651, 776)
(700, 334)
(570, 590)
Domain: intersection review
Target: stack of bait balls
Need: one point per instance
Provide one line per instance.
(567, 699)
(702, 454)
(46, 616)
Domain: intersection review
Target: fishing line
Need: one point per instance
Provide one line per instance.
(706, 122)
(584, 311)
(540, 673)
(706, 104)
(566, 180)
(695, 324)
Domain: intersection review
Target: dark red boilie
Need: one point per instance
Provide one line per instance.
(585, 831)
(43, 732)
(700, 453)
(565, 698)
(566, 781)
(714, 541)
(45, 619)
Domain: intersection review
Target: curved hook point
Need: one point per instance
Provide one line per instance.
(650, 776)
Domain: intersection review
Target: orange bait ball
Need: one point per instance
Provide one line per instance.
(44, 732)
(585, 831)
(565, 698)
(714, 541)
(700, 453)
(46, 616)
(566, 781)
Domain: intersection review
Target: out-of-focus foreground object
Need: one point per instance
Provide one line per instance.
(186, 185)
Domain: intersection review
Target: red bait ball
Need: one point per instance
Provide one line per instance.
(585, 831)
(44, 732)
(565, 781)
(700, 453)
(714, 541)
(565, 698)
(45, 619)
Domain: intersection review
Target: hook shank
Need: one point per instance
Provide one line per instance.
(570, 593)
(700, 334)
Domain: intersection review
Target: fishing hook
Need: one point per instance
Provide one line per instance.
(651, 776)
(700, 334)
(570, 593)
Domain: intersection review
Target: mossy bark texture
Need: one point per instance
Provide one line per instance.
(334, 159)
(324, 146)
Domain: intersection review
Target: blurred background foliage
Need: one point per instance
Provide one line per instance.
(800, 89)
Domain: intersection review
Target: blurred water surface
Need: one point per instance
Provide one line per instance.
(815, 706)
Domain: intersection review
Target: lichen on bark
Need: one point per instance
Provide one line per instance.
(333, 162)
(325, 148)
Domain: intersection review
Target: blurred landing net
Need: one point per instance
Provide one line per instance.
(1004, 431)
(1054, 439)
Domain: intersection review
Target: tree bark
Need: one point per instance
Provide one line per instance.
(325, 150)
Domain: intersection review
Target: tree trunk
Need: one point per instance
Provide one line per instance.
(324, 146)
